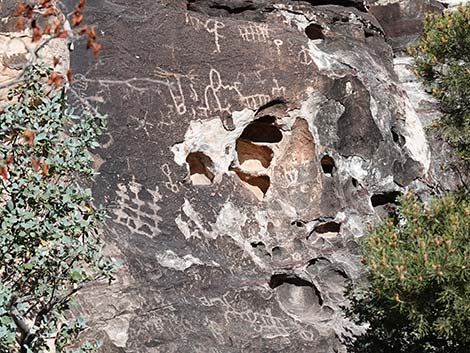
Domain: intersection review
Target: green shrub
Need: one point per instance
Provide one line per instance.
(418, 293)
(442, 60)
(49, 247)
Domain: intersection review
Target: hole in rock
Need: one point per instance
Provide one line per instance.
(199, 168)
(314, 31)
(355, 182)
(368, 33)
(332, 273)
(275, 104)
(385, 198)
(258, 185)
(297, 223)
(280, 279)
(260, 249)
(296, 295)
(276, 251)
(234, 9)
(253, 158)
(257, 244)
(398, 138)
(262, 130)
(329, 227)
(346, 3)
(328, 165)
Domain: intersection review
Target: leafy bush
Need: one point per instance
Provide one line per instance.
(418, 293)
(49, 246)
(442, 60)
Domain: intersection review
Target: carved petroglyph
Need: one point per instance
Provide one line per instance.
(255, 101)
(175, 88)
(216, 330)
(211, 26)
(278, 43)
(212, 91)
(265, 324)
(278, 91)
(169, 184)
(138, 214)
(256, 33)
(304, 56)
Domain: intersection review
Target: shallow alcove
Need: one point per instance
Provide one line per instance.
(257, 184)
(354, 182)
(328, 165)
(385, 198)
(328, 227)
(314, 31)
(298, 296)
(199, 168)
(262, 130)
(397, 137)
(253, 158)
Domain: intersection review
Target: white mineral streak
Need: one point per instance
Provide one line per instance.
(356, 166)
(171, 260)
(210, 137)
(230, 221)
(415, 138)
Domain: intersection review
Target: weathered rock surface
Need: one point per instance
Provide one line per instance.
(250, 144)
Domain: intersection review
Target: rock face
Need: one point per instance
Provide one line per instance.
(250, 144)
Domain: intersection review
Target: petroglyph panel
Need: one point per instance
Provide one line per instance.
(211, 26)
(137, 209)
(255, 33)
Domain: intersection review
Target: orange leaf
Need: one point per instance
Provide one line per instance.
(44, 168)
(77, 18)
(4, 172)
(47, 29)
(63, 35)
(91, 33)
(29, 136)
(96, 47)
(35, 164)
(45, 3)
(81, 5)
(19, 9)
(29, 11)
(36, 34)
(20, 24)
(56, 60)
(82, 30)
(55, 79)
(69, 75)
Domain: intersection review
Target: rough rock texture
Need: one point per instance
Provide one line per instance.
(250, 143)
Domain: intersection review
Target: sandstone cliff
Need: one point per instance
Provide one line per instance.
(250, 144)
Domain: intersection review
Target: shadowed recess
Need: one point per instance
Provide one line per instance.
(328, 165)
(329, 227)
(253, 157)
(314, 31)
(298, 296)
(199, 168)
(259, 185)
(385, 198)
(262, 130)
